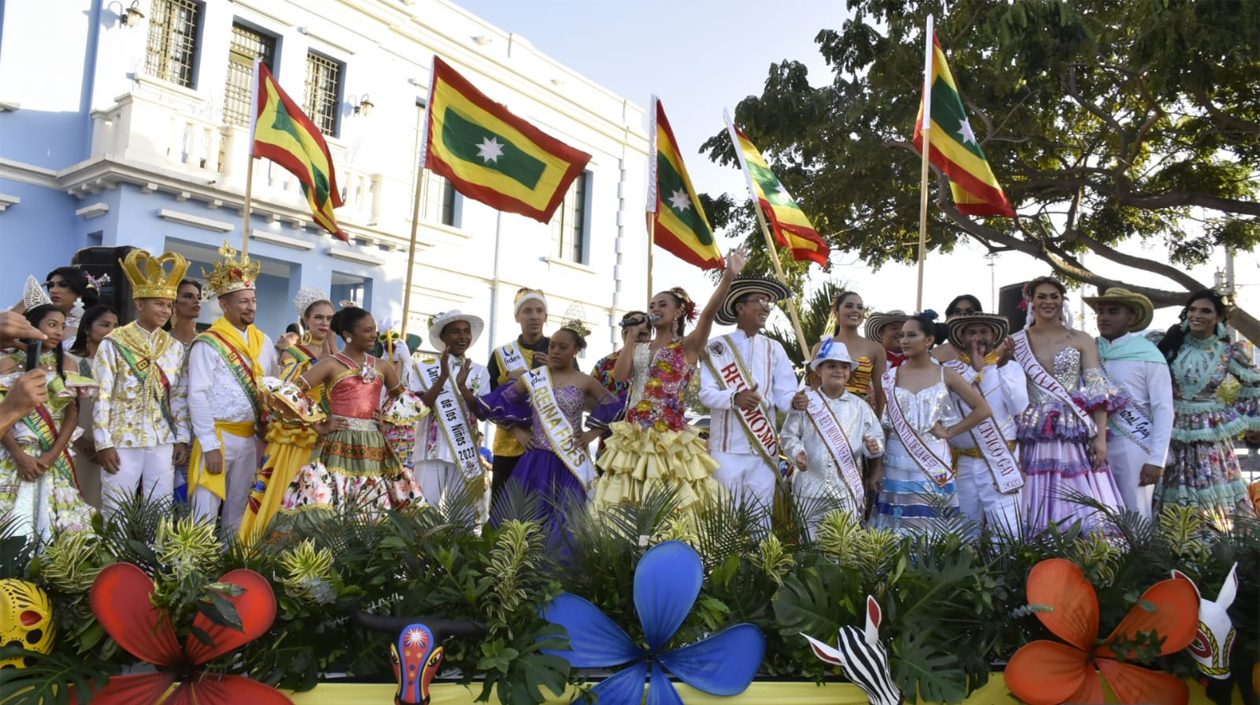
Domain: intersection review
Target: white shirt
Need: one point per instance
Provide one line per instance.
(215, 395)
(822, 476)
(125, 414)
(1148, 385)
(430, 445)
(1006, 390)
(769, 368)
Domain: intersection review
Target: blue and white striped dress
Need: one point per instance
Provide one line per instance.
(909, 500)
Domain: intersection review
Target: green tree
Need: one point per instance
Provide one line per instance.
(1105, 122)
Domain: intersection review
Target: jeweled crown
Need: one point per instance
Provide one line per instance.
(231, 274)
(149, 277)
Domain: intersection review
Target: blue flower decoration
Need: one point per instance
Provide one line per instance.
(932, 315)
(825, 348)
(666, 584)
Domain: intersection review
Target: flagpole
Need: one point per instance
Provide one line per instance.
(249, 163)
(418, 198)
(653, 196)
(765, 231)
(925, 171)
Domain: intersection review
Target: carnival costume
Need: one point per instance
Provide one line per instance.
(289, 442)
(912, 496)
(1202, 469)
(356, 466)
(1054, 435)
(860, 379)
(654, 447)
(224, 368)
(142, 409)
(52, 502)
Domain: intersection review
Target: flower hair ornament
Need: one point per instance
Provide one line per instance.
(932, 315)
(95, 283)
(689, 306)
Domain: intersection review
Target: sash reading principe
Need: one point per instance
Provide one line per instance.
(1046, 381)
(452, 418)
(989, 440)
(559, 431)
(731, 372)
(837, 444)
(932, 466)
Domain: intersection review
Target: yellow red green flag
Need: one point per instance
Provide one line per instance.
(680, 223)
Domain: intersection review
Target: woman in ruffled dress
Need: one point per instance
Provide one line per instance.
(556, 466)
(290, 442)
(37, 485)
(655, 447)
(352, 464)
(1062, 434)
(1202, 469)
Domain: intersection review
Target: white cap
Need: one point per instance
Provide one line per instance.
(832, 349)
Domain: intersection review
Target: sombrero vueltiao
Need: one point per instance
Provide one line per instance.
(442, 320)
(877, 322)
(772, 288)
(1141, 305)
(998, 324)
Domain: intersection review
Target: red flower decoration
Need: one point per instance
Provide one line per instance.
(1049, 673)
(146, 632)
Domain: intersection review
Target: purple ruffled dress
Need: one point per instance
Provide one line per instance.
(1054, 449)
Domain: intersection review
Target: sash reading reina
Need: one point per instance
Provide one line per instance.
(560, 432)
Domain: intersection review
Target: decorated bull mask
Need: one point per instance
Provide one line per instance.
(862, 658)
(25, 620)
(417, 651)
(1215, 640)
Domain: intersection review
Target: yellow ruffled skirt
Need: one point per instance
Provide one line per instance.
(288, 449)
(638, 460)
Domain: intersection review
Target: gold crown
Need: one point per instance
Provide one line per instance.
(149, 277)
(231, 274)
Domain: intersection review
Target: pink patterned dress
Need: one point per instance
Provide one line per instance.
(654, 447)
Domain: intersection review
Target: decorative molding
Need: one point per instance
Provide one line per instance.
(571, 265)
(440, 294)
(28, 174)
(6, 200)
(9, 106)
(93, 211)
(349, 255)
(195, 221)
(281, 240)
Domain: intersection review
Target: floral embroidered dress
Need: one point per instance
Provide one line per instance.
(356, 466)
(52, 502)
(1054, 447)
(654, 446)
(1202, 469)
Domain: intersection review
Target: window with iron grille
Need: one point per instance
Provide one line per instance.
(323, 92)
(171, 54)
(248, 45)
(568, 225)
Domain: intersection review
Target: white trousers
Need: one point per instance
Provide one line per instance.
(1126, 459)
(148, 469)
(980, 500)
(240, 463)
(749, 479)
(443, 482)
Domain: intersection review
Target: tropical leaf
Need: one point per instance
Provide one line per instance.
(925, 671)
(51, 679)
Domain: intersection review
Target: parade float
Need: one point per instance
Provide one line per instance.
(419, 607)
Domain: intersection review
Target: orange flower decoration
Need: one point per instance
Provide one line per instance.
(122, 599)
(1049, 673)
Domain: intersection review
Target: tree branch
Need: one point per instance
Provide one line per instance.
(1142, 263)
(1075, 92)
(1221, 117)
(1181, 199)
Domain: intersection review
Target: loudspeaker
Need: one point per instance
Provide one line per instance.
(1009, 298)
(99, 261)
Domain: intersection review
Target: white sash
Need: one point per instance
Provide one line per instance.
(560, 432)
(837, 444)
(1046, 381)
(932, 466)
(1130, 422)
(511, 359)
(729, 370)
(451, 416)
(988, 438)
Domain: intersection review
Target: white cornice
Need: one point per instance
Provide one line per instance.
(6, 200)
(281, 240)
(196, 221)
(353, 256)
(28, 173)
(92, 211)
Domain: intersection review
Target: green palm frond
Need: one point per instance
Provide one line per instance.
(815, 322)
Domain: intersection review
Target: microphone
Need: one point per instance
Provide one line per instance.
(652, 318)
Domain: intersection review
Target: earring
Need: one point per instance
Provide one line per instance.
(1220, 330)
(1185, 325)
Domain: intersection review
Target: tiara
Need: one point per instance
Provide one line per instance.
(573, 320)
(306, 297)
(33, 294)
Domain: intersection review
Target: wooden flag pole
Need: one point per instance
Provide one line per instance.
(925, 130)
(418, 198)
(651, 246)
(249, 162)
(778, 269)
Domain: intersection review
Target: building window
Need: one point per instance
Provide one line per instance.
(248, 45)
(172, 48)
(323, 92)
(568, 225)
(439, 200)
(350, 287)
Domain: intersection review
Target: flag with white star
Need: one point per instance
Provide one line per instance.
(955, 149)
(680, 224)
(491, 155)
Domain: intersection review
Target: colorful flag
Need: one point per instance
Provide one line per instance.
(791, 228)
(283, 134)
(491, 155)
(673, 207)
(954, 147)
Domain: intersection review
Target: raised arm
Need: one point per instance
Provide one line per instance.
(979, 407)
(695, 341)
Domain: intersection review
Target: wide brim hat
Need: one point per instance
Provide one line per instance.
(1000, 326)
(832, 349)
(772, 288)
(877, 322)
(1141, 305)
(442, 320)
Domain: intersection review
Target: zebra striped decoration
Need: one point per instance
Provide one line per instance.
(862, 658)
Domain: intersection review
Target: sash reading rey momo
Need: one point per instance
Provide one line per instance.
(837, 444)
(989, 440)
(560, 432)
(935, 468)
(731, 372)
(1046, 381)
(452, 418)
